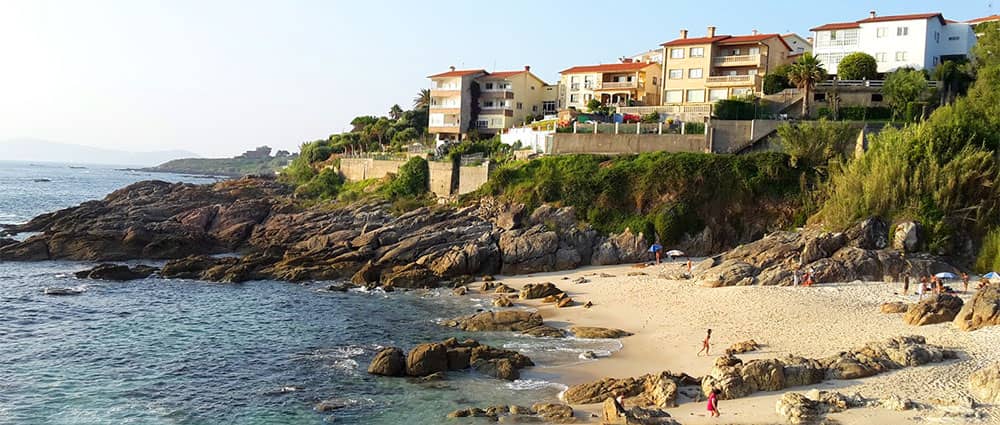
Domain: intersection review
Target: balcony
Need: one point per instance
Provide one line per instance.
(496, 110)
(618, 85)
(731, 80)
(737, 60)
(497, 94)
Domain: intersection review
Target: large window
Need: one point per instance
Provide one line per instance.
(902, 31)
(696, 96)
(674, 96)
(754, 51)
(880, 32)
(697, 52)
(676, 53)
(694, 73)
(880, 57)
(676, 74)
(900, 56)
(837, 38)
(548, 106)
(588, 82)
(717, 94)
(742, 92)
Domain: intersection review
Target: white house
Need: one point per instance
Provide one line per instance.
(798, 44)
(919, 41)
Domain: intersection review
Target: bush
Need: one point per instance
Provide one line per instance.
(988, 259)
(325, 185)
(732, 109)
(904, 87)
(862, 113)
(694, 128)
(413, 179)
(651, 118)
(812, 144)
(775, 83)
(857, 66)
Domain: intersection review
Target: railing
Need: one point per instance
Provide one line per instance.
(619, 85)
(445, 124)
(627, 128)
(446, 87)
(725, 79)
(735, 60)
(472, 159)
(445, 106)
(865, 83)
(665, 109)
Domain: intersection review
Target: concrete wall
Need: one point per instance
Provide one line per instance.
(528, 138)
(442, 177)
(728, 135)
(357, 169)
(612, 144)
(472, 177)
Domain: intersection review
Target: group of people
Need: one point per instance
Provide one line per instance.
(935, 285)
(805, 279)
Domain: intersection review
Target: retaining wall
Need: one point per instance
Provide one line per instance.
(614, 144)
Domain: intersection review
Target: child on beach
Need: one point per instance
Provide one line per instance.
(965, 282)
(713, 403)
(705, 344)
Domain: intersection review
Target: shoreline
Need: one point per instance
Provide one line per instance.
(669, 319)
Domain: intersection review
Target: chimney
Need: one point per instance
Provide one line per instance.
(452, 68)
(711, 32)
(684, 33)
(810, 40)
(753, 32)
(527, 67)
(871, 14)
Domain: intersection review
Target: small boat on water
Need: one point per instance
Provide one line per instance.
(41, 180)
(61, 291)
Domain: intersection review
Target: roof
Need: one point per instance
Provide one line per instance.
(743, 39)
(504, 74)
(983, 19)
(610, 67)
(458, 73)
(887, 18)
(696, 40)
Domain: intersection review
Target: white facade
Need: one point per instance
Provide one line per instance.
(919, 43)
(798, 44)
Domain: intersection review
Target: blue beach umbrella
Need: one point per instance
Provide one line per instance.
(655, 247)
(992, 275)
(945, 275)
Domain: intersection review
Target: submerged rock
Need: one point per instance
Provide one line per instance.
(116, 272)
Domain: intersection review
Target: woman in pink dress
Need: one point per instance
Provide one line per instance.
(713, 403)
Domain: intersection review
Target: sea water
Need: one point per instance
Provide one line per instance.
(163, 351)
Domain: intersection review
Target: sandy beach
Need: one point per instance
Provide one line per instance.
(670, 317)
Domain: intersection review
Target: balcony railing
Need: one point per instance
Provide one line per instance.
(445, 106)
(736, 60)
(731, 80)
(865, 83)
(443, 124)
(619, 85)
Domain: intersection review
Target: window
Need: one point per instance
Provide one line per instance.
(676, 74)
(694, 73)
(489, 86)
(880, 57)
(819, 97)
(742, 92)
(751, 72)
(734, 52)
(717, 94)
(520, 106)
(548, 106)
(695, 96)
(697, 52)
(574, 98)
(900, 56)
(487, 103)
(676, 53)
(876, 97)
(588, 82)
(880, 32)
(587, 97)
(482, 123)
(902, 31)
(654, 81)
(534, 108)
(674, 96)
(937, 37)
(953, 38)
(754, 51)
(574, 83)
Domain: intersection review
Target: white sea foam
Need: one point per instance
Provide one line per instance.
(532, 384)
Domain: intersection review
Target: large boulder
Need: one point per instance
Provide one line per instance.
(592, 332)
(822, 246)
(498, 368)
(894, 307)
(389, 361)
(659, 390)
(936, 309)
(906, 238)
(554, 412)
(872, 233)
(981, 311)
(797, 409)
(538, 290)
(426, 359)
(625, 247)
(116, 272)
(505, 320)
(985, 384)
(860, 263)
(528, 250)
(728, 273)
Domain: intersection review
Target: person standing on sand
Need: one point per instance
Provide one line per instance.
(906, 283)
(713, 403)
(965, 282)
(689, 267)
(921, 288)
(795, 277)
(705, 344)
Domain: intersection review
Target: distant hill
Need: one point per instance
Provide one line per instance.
(48, 151)
(258, 161)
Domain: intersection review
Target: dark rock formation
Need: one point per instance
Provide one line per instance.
(388, 362)
(505, 320)
(538, 290)
(426, 359)
(434, 359)
(116, 272)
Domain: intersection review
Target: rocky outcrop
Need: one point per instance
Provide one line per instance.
(116, 272)
(906, 237)
(936, 309)
(981, 311)
(812, 407)
(598, 333)
(626, 247)
(505, 320)
(985, 384)
(743, 347)
(659, 390)
(545, 331)
(426, 359)
(735, 379)
(388, 362)
(615, 414)
(538, 290)
(539, 412)
(894, 307)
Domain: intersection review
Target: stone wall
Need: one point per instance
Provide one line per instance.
(357, 169)
(613, 144)
(443, 177)
(472, 177)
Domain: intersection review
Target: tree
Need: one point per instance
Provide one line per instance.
(987, 49)
(904, 87)
(423, 99)
(857, 66)
(814, 144)
(395, 112)
(955, 78)
(805, 73)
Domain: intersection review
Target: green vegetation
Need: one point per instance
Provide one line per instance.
(805, 73)
(858, 113)
(412, 180)
(668, 194)
(857, 66)
(734, 109)
(777, 80)
(262, 164)
(903, 89)
(816, 144)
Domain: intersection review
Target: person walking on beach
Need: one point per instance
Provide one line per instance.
(705, 344)
(689, 267)
(965, 282)
(921, 288)
(906, 283)
(795, 277)
(713, 403)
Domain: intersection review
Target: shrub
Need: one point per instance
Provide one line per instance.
(324, 185)
(816, 143)
(775, 83)
(904, 87)
(857, 66)
(413, 179)
(861, 113)
(988, 258)
(732, 109)
(651, 118)
(694, 128)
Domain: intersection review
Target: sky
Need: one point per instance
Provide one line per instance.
(217, 77)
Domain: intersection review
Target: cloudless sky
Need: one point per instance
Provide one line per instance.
(217, 77)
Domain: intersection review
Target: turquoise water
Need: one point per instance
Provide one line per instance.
(160, 351)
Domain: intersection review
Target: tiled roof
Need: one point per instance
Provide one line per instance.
(458, 73)
(984, 19)
(610, 67)
(743, 39)
(696, 40)
(836, 26)
(504, 74)
(887, 18)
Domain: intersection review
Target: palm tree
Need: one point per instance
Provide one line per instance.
(423, 99)
(805, 73)
(395, 112)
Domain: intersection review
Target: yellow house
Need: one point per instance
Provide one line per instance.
(621, 84)
(489, 102)
(702, 70)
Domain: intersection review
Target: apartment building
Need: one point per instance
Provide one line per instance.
(622, 84)
(489, 102)
(699, 71)
(919, 41)
(798, 44)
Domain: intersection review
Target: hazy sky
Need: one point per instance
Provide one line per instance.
(218, 77)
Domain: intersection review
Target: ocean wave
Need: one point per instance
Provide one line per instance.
(532, 384)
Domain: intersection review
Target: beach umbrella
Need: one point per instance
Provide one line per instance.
(992, 275)
(655, 247)
(675, 253)
(945, 275)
